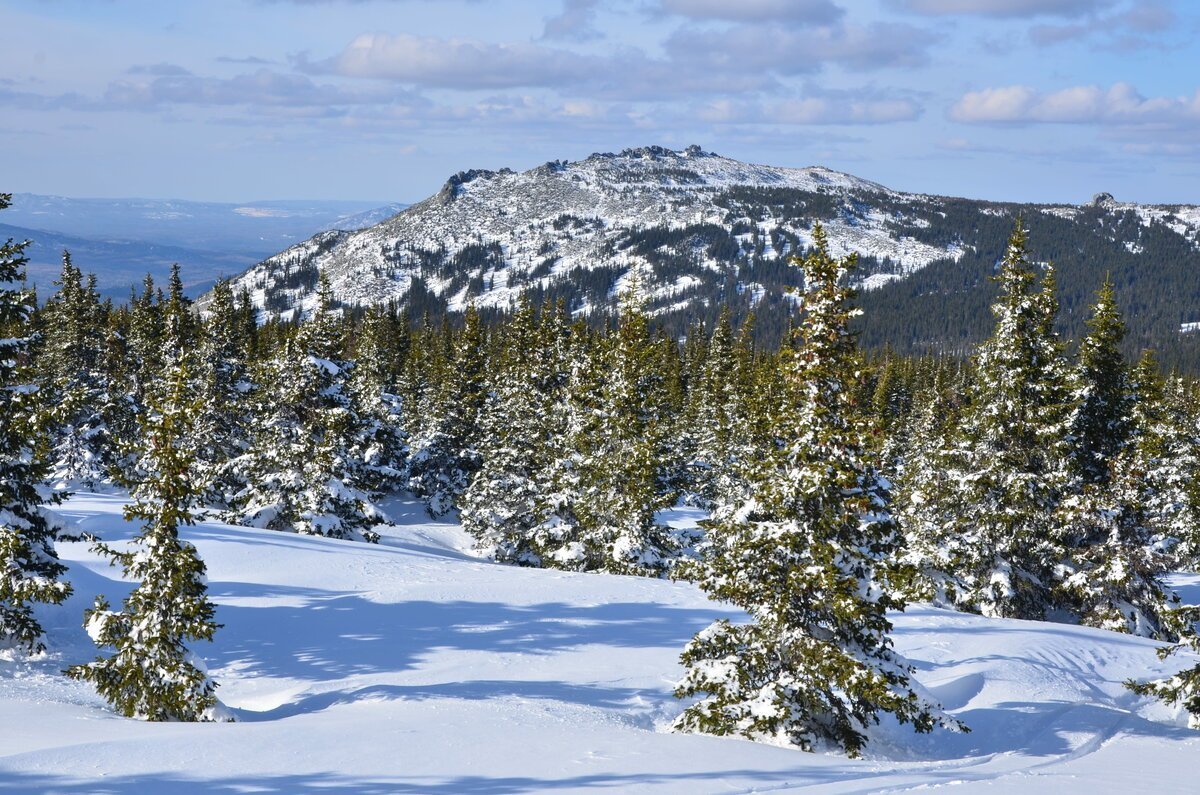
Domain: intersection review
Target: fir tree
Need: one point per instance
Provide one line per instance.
(380, 445)
(616, 446)
(806, 555)
(445, 457)
(29, 567)
(502, 507)
(301, 471)
(83, 402)
(223, 424)
(717, 422)
(994, 530)
(1100, 422)
(152, 674)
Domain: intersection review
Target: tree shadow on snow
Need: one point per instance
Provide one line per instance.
(372, 785)
(326, 636)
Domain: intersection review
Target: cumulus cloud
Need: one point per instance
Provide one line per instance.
(814, 12)
(458, 63)
(699, 60)
(834, 109)
(160, 69)
(1120, 104)
(1004, 8)
(1139, 26)
(575, 22)
(251, 60)
(747, 48)
(263, 89)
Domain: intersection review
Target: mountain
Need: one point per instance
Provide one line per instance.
(698, 230)
(120, 240)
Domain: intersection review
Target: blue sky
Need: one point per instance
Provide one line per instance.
(1038, 100)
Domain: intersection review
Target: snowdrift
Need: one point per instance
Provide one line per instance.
(413, 667)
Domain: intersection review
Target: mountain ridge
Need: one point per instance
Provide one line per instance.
(701, 230)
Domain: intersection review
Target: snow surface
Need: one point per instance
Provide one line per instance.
(413, 667)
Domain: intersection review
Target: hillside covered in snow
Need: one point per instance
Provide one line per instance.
(699, 230)
(413, 667)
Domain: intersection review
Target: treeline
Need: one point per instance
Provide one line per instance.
(1025, 482)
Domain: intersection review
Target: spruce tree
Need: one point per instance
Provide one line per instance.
(807, 556)
(617, 449)
(444, 456)
(994, 529)
(380, 446)
(502, 506)
(82, 396)
(1099, 425)
(30, 571)
(223, 423)
(152, 674)
(302, 473)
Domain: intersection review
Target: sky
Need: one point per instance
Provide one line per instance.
(238, 100)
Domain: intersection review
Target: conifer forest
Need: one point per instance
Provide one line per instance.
(1042, 478)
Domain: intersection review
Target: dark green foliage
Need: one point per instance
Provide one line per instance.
(806, 554)
(29, 567)
(152, 674)
(984, 537)
(1099, 426)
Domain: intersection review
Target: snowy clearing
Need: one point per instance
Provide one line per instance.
(412, 667)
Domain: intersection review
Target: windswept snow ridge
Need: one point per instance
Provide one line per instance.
(413, 667)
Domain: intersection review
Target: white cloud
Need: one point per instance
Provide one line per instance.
(815, 110)
(1120, 104)
(1004, 8)
(458, 63)
(781, 50)
(1139, 26)
(814, 12)
(575, 22)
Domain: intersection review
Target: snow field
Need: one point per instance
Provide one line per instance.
(413, 667)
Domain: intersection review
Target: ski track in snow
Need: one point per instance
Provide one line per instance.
(414, 667)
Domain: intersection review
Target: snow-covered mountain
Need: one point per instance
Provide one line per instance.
(699, 230)
(513, 230)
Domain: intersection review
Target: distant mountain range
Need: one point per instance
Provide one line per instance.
(120, 240)
(700, 230)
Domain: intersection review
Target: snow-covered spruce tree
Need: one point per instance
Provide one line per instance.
(558, 540)
(994, 529)
(152, 674)
(380, 445)
(1171, 460)
(444, 455)
(29, 567)
(1113, 575)
(72, 363)
(301, 472)
(502, 506)
(144, 340)
(924, 490)
(223, 422)
(716, 419)
(807, 556)
(1099, 424)
(618, 448)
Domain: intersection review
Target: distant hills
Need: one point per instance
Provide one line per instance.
(700, 231)
(120, 240)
